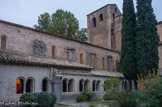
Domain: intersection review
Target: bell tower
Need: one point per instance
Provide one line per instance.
(102, 27)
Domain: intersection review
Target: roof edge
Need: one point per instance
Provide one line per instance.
(158, 23)
(25, 27)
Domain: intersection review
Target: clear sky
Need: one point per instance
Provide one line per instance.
(26, 12)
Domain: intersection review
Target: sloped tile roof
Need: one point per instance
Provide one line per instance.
(7, 57)
(107, 73)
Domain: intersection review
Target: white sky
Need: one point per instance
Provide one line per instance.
(26, 12)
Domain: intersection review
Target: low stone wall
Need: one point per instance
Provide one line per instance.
(71, 96)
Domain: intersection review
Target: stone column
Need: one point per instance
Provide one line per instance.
(67, 85)
(24, 90)
(133, 85)
(57, 86)
(83, 86)
(95, 85)
(128, 86)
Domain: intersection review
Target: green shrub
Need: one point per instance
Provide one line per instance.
(128, 99)
(27, 98)
(81, 98)
(152, 95)
(108, 96)
(44, 99)
(54, 98)
(84, 96)
(35, 97)
(89, 95)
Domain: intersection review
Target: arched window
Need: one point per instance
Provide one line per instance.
(101, 17)
(86, 85)
(81, 58)
(94, 85)
(71, 85)
(53, 51)
(94, 22)
(3, 43)
(103, 63)
(19, 86)
(98, 85)
(81, 85)
(45, 84)
(64, 85)
(30, 86)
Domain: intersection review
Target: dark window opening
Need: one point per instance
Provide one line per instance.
(115, 10)
(29, 86)
(94, 22)
(64, 86)
(80, 86)
(45, 85)
(113, 17)
(101, 17)
(94, 87)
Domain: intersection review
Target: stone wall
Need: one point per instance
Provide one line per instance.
(22, 40)
(159, 28)
(9, 75)
(101, 35)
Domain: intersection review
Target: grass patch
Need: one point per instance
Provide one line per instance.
(100, 101)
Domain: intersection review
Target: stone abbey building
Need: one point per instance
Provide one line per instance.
(35, 61)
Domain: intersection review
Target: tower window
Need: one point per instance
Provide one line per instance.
(115, 10)
(81, 58)
(101, 17)
(103, 63)
(3, 43)
(53, 51)
(94, 22)
(113, 17)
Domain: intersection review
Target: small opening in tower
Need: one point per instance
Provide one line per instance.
(101, 17)
(115, 10)
(113, 17)
(94, 22)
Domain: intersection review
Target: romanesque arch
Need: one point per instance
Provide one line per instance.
(98, 85)
(45, 84)
(71, 85)
(30, 85)
(20, 85)
(81, 85)
(86, 85)
(65, 85)
(94, 85)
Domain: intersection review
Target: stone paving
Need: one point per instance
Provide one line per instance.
(78, 104)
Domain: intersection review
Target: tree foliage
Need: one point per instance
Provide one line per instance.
(147, 38)
(62, 23)
(128, 50)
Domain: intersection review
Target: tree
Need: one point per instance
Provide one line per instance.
(128, 50)
(147, 39)
(62, 23)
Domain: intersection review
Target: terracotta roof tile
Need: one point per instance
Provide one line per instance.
(7, 57)
(107, 73)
